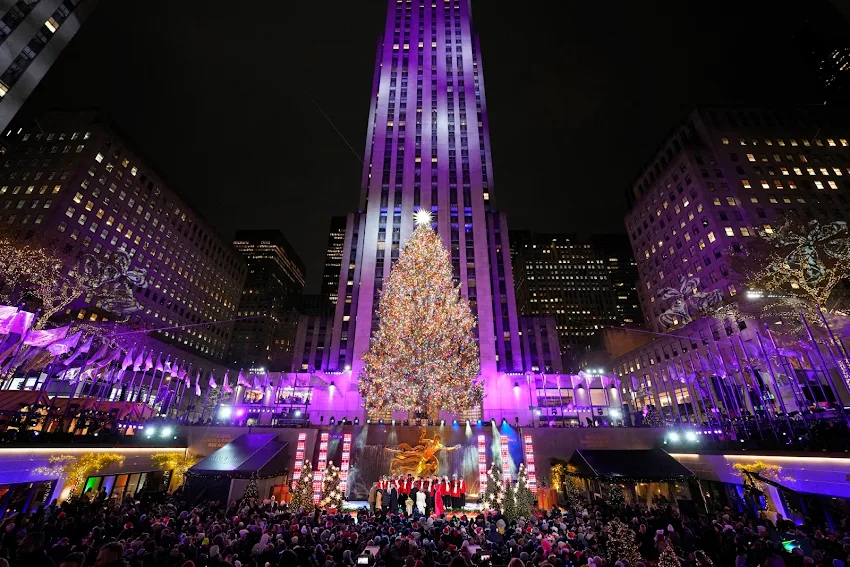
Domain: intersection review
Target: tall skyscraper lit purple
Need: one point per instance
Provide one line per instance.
(427, 147)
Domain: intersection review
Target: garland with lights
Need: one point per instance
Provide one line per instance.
(652, 417)
(615, 495)
(78, 470)
(668, 557)
(424, 355)
(331, 488)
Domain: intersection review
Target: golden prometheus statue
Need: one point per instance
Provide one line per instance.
(420, 460)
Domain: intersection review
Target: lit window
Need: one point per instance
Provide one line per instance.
(746, 184)
(830, 141)
(819, 184)
(843, 142)
(725, 141)
(52, 25)
(99, 157)
(729, 231)
(765, 184)
(730, 201)
(751, 157)
(832, 185)
(711, 237)
(745, 231)
(78, 197)
(753, 199)
(777, 183)
(3, 89)
(768, 229)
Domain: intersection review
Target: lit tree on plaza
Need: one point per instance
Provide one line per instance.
(423, 356)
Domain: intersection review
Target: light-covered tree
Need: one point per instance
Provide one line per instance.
(423, 356)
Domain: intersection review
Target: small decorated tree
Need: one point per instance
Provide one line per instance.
(302, 494)
(251, 492)
(621, 543)
(652, 417)
(523, 497)
(331, 489)
(574, 495)
(615, 495)
(494, 491)
(668, 557)
(509, 508)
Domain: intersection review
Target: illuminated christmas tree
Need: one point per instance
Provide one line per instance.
(494, 491)
(251, 492)
(621, 543)
(331, 489)
(668, 557)
(616, 496)
(518, 499)
(653, 418)
(424, 356)
(302, 494)
(575, 496)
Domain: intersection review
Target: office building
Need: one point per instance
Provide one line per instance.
(264, 336)
(558, 275)
(720, 178)
(333, 260)
(33, 34)
(75, 179)
(616, 253)
(427, 148)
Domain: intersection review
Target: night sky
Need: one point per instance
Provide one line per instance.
(218, 96)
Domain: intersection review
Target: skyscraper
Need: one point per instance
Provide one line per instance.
(33, 34)
(616, 253)
(265, 335)
(823, 37)
(333, 260)
(560, 276)
(427, 147)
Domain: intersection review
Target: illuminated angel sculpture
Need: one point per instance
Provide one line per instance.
(684, 298)
(113, 281)
(420, 460)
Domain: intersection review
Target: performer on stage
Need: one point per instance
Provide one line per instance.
(455, 493)
(439, 498)
(446, 488)
(462, 491)
(420, 500)
(430, 486)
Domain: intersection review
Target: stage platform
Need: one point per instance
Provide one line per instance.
(353, 505)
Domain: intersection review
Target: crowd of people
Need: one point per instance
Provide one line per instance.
(426, 495)
(262, 533)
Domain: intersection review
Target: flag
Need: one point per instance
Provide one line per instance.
(241, 381)
(140, 359)
(101, 353)
(128, 360)
(198, 384)
(21, 323)
(113, 355)
(83, 349)
(149, 361)
(212, 382)
(226, 386)
(167, 366)
(159, 367)
(188, 383)
(7, 315)
(65, 345)
(43, 338)
(256, 384)
(182, 372)
(119, 375)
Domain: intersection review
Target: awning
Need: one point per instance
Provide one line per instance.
(640, 465)
(253, 454)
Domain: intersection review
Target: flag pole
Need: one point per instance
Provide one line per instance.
(41, 391)
(206, 398)
(129, 391)
(182, 392)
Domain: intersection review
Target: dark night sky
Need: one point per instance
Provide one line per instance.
(579, 95)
